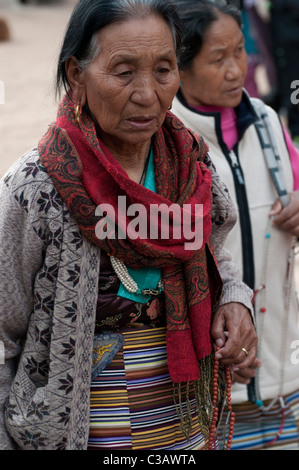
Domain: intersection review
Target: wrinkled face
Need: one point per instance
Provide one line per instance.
(218, 71)
(131, 84)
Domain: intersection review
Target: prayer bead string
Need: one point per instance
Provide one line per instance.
(215, 415)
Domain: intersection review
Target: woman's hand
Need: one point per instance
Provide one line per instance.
(235, 337)
(243, 376)
(287, 218)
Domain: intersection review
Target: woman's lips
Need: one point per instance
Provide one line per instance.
(234, 91)
(141, 122)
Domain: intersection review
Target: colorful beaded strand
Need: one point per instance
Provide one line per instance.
(213, 425)
(212, 433)
(230, 408)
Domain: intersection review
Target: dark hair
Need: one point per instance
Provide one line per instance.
(196, 17)
(90, 16)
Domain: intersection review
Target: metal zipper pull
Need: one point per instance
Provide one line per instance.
(236, 167)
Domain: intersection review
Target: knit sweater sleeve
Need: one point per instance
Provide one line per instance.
(224, 217)
(20, 258)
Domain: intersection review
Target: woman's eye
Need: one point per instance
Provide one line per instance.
(125, 73)
(163, 70)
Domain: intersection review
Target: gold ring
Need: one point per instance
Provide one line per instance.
(246, 352)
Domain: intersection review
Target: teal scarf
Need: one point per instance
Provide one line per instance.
(146, 277)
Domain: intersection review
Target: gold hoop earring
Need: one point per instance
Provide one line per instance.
(77, 113)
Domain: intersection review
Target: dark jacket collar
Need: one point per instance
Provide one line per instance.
(245, 112)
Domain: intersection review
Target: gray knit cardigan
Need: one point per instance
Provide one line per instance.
(48, 292)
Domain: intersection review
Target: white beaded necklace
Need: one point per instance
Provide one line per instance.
(121, 269)
(128, 282)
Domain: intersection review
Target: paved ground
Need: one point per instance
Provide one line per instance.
(27, 70)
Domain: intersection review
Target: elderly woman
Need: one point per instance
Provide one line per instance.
(112, 305)
(240, 133)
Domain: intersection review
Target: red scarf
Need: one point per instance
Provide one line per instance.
(86, 175)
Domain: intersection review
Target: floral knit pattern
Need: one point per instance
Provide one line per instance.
(45, 401)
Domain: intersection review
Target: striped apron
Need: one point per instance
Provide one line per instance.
(274, 429)
(132, 403)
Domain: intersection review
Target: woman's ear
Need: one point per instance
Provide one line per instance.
(76, 81)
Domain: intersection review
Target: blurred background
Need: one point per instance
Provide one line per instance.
(31, 32)
(28, 58)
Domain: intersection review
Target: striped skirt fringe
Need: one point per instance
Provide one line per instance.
(132, 403)
(275, 428)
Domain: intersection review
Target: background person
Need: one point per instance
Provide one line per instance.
(100, 335)
(212, 102)
(4, 30)
(284, 30)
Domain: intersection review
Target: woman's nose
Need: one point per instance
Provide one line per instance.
(144, 90)
(233, 70)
